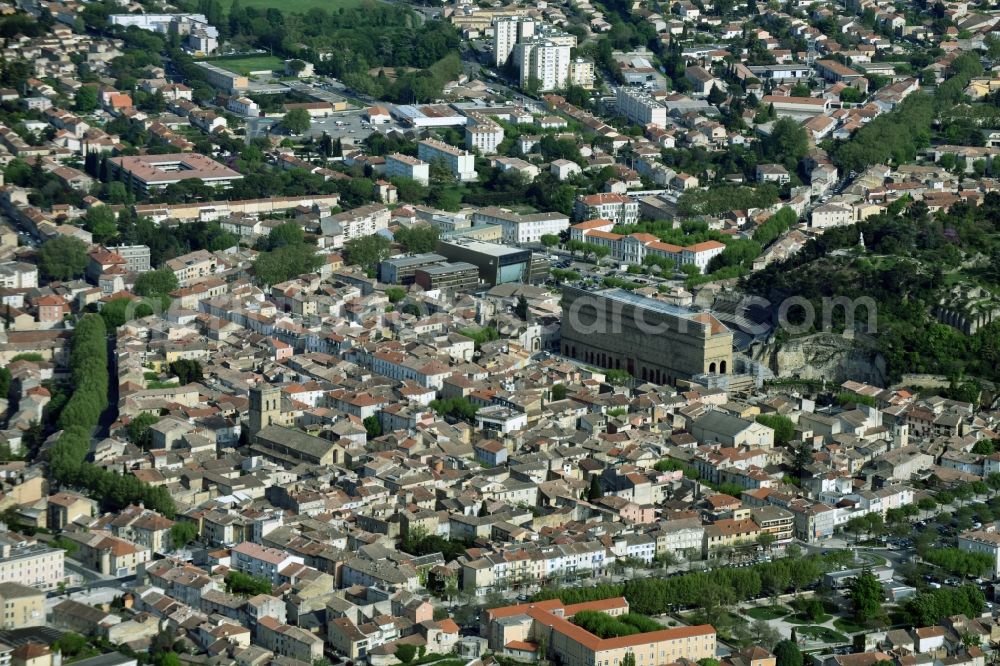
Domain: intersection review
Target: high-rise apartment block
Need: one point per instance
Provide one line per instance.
(507, 32)
(543, 63)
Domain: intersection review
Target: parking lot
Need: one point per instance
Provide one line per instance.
(345, 124)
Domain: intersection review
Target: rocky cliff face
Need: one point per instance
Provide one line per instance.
(828, 356)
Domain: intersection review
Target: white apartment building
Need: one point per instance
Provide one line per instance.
(679, 537)
(262, 562)
(640, 107)
(18, 275)
(31, 563)
(483, 134)
(700, 254)
(581, 73)
(507, 32)
(617, 208)
(461, 163)
(544, 59)
(244, 106)
(357, 222)
(532, 564)
(832, 214)
(521, 228)
(404, 166)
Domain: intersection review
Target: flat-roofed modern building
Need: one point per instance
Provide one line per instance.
(797, 107)
(650, 339)
(223, 78)
(448, 275)
(497, 264)
(145, 173)
(461, 163)
(401, 270)
(519, 631)
(404, 166)
(518, 228)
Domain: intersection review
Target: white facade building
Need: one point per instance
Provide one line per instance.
(244, 106)
(462, 163)
(483, 134)
(640, 107)
(507, 32)
(404, 166)
(545, 60)
(522, 228)
(260, 561)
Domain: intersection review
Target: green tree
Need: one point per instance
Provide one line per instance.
(521, 308)
(367, 251)
(297, 121)
(139, 430)
(716, 96)
(373, 427)
(784, 429)
(550, 240)
(238, 582)
(866, 595)
(285, 263)
(787, 653)
(156, 283)
(284, 235)
(85, 99)
(119, 310)
(101, 222)
(395, 294)
(70, 644)
(558, 391)
(418, 239)
(803, 457)
(787, 143)
(63, 258)
(984, 447)
(406, 652)
(187, 370)
(4, 383)
(182, 533)
(595, 492)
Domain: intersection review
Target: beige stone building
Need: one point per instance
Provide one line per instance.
(23, 560)
(108, 554)
(649, 338)
(65, 507)
(519, 631)
(23, 606)
(730, 533)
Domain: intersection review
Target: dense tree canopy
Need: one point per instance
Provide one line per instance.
(63, 258)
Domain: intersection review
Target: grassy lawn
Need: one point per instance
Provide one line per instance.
(767, 612)
(801, 619)
(297, 6)
(249, 64)
(821, 634)
(847, 626)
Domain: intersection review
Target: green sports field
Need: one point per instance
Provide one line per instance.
(249, 64)
(297, 6)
